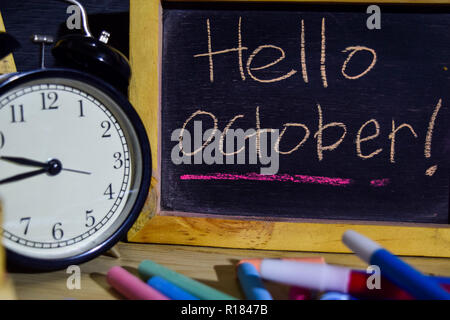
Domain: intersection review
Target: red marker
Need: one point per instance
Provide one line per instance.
(323, 277)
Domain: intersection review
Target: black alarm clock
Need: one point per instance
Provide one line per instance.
(75, 163)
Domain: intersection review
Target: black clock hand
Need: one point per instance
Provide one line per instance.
(24, 176)
(48, 165)
(24, 161)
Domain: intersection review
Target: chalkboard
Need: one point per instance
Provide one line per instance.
(338, 120)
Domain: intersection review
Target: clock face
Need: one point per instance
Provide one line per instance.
(70, 167)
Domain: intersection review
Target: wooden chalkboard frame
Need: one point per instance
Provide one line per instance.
(156, 226)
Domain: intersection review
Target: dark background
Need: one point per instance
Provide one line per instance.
(25, 18)
(413, 48)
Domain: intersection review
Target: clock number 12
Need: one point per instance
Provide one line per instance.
(52, 97)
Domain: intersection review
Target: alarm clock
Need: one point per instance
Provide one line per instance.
(75, 161)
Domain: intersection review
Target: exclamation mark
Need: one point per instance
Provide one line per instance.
(323, 69)
(427, 151)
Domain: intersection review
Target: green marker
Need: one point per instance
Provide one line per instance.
(148, 269)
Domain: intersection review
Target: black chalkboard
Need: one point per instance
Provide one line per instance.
(372, 135)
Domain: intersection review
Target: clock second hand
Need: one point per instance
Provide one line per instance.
(76, 171)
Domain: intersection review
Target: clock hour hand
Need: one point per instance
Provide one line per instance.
(23, 176)
(25, 162)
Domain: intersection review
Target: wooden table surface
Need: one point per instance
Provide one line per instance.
(212, 266)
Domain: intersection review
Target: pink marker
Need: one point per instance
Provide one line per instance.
(132, 287)
(298, 293)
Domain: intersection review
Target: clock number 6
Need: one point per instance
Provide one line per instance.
(57, 232)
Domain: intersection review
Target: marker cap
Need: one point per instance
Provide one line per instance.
(359, 244)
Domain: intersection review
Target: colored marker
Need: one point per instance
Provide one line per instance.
(251, 283)
(257, 262)
(298, 293)
(323, 277)
(295, 293)
(336, 296)
(148, 269)
(130, 286)
(169, 289)
(400, 273)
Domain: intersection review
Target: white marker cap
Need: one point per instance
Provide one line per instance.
(314, 276)
(359, 244)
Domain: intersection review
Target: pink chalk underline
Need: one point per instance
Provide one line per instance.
(337, 182)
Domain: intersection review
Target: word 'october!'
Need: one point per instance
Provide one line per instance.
(361, 135)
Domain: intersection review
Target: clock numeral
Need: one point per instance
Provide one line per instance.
(119, 162)
(109, 192)
(106, 125)
(52, 97)
(17, 115)
(2, 140)
(90, 220)
(81, 109)
(57, 232)
(27, 219)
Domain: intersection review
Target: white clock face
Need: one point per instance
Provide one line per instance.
(81, 188)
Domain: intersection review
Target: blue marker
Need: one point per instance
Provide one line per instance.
(251, 282)
(169, 289)
(403, 275)
(336, 296)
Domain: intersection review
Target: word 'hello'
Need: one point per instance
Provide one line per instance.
(252, 70)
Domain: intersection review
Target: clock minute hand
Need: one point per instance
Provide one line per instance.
(25, 162)
(23, 176)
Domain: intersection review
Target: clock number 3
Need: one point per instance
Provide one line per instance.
(119, 162)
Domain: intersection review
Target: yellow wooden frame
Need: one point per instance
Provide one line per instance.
(154, 226)
(7, 64)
